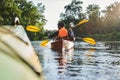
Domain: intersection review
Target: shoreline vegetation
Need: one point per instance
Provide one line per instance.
(103, 24)
(113, 36)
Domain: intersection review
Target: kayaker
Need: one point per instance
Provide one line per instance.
(62, 31)
(71, 33)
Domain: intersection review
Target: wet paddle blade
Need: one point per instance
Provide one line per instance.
(33, 28)
(44, 43)
(89, 40)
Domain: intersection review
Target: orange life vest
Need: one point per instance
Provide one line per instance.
(63, 32)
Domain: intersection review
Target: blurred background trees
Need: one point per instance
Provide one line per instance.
(102, 25)
(28, 13)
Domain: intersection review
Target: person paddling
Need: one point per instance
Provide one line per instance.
(62, 31)
(71, 33)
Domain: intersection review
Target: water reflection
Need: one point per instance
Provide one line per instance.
(90, 62)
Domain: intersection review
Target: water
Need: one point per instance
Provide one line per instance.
(90, 62)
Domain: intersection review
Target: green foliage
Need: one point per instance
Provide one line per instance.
(28, 14)
(8, 9)
(73, 13)
(113, 36)
(105, 27)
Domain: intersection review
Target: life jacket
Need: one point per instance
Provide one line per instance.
(63, 32)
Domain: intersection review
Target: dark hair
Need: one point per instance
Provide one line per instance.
(60, 24)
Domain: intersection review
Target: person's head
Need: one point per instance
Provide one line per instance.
(71, 25)
(60, 25)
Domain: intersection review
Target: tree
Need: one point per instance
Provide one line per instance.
(28, 14)
(93, 14)
(31, 14)
(73, 13)
(26, 11)
(112, 17)
(7, 11)
(106, 26)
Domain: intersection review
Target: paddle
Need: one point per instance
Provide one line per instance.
(81, 22)
(88, 40)
(32, 28)
(44, 43)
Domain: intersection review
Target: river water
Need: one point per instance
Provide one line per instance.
(90, 62)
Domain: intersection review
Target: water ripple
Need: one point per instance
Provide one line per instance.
(90, 62)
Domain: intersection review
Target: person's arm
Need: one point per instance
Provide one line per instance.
(71, 34)
(53, 35)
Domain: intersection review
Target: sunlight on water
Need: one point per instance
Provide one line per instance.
(49, 65)
(90, 62)
(48, 62)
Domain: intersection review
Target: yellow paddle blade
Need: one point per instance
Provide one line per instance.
(44, 43)
(89, 40)
(81, 22)
(33, 28)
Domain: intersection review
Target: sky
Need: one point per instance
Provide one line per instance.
(53, 8)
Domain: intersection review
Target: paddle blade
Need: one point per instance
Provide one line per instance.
(32, 28)
(81, 22)
(89, 40)
(44, 43)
